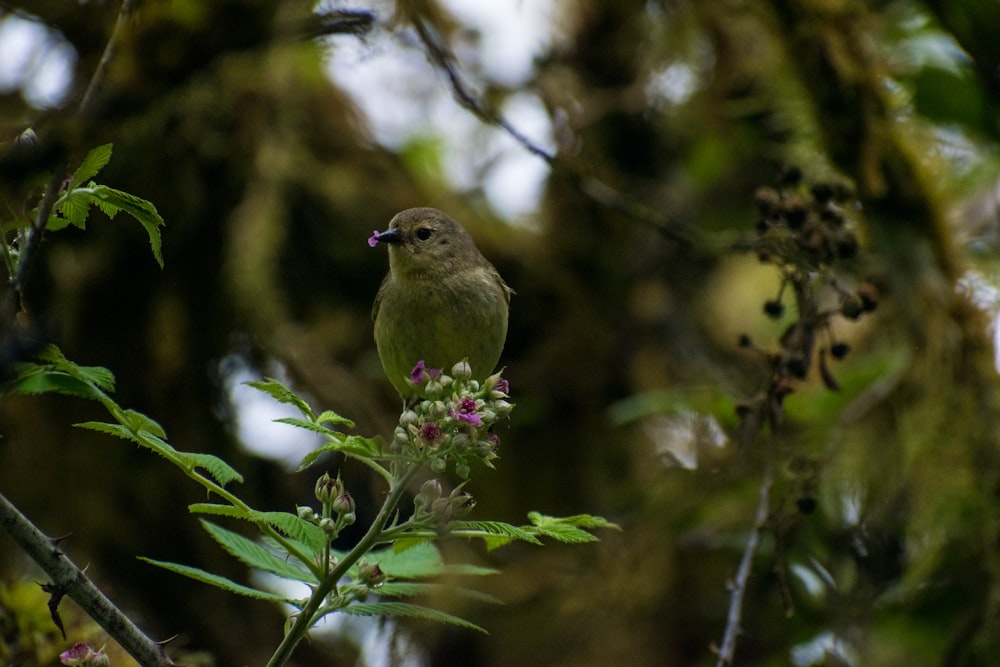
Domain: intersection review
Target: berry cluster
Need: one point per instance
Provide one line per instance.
(807, 232)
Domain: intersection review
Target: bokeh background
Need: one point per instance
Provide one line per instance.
(272, 151)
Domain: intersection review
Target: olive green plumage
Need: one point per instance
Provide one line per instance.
(441, 301)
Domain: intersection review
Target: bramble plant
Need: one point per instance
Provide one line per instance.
(450, 430)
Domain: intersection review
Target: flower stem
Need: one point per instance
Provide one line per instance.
(373, 537)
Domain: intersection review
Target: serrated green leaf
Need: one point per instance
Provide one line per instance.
(301, 547)
(403, 543)
(408, 610)
(72, 210)
(282, 394)
(495, 533)
(221, 471)
(422, 560)
(43, 380)
(569, 529)
(52, 354)
(221, 582)
(217, 509)
(254, 555)
(111, 201)
(567, 534)
(304, 532)
(360, 446)
(56, 223)
(98, 375)
(309, 426)
(137, 421)
(333, 418)
(308, 535)
(93, 162)
(117, 430)
(310, 458)
(580, 520)
(352, 445)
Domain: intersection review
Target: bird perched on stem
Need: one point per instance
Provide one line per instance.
(441, 302)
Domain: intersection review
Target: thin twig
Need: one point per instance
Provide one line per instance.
(68, 579)
(441, 57)
(355, 22)
(727, 651)
(29, 249)
(87, 103)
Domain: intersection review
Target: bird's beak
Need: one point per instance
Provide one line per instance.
(389, 236)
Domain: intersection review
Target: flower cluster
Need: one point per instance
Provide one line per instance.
(453, 422)
(84, 655)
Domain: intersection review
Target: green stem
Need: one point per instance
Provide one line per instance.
(373, 537)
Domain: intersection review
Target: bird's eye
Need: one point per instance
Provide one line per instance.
(424, 233)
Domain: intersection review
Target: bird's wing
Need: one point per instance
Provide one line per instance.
(378, 297)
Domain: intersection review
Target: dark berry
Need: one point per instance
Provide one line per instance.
(774, 308)
(806, 504)
(822, 192)
(868, 294)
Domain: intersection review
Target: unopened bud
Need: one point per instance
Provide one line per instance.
(441, 510)
(437, 410)
(503, 407)
(370, 575)
(461, 370)
(328, 488)
(344, 504)
(429, 492)
(461, 503)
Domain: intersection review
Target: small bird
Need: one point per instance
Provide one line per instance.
(441, 302)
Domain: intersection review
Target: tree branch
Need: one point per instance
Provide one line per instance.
(67, 578)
